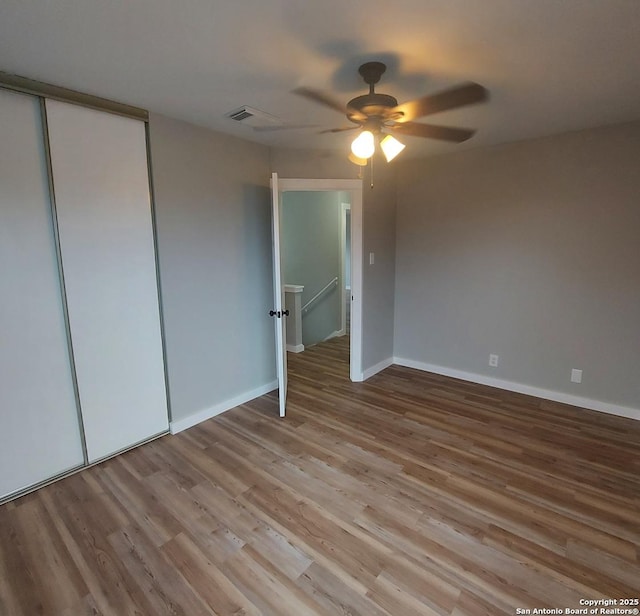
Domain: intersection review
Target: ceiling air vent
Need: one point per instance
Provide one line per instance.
(253, 117)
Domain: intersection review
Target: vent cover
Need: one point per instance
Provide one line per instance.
(253, 117)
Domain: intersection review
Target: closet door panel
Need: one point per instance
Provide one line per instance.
(39, 427)
(99, 165)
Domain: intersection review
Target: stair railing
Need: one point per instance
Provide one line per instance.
(318, 295)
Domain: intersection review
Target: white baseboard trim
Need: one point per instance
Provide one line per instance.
(196, 418)
(547, 394)
(338, 332)
(381, 365)
(295, 348)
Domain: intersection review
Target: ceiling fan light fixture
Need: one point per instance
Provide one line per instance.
(391, 147)
(378, 114)
(364, 145)
(356, 160)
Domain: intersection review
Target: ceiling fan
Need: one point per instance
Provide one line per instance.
(380, 117)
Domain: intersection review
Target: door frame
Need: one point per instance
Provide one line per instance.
(354, 188)
(344, 209)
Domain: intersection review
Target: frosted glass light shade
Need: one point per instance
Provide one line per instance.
(356, 160)
(391, 147)
(363, 145)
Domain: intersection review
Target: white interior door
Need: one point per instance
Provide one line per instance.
(101, 184)
(278, 296)
(40, 431)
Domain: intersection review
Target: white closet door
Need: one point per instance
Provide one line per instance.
(101, 187)
(39, 428)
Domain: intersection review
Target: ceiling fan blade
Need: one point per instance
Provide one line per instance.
(445, 133)
(466, 94)
(320, 97)
(338, 130)
(317, 96)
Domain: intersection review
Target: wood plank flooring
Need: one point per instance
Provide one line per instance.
(411, 494)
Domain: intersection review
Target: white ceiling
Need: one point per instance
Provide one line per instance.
(550, 65)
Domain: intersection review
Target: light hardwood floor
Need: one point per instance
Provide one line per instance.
(410, 494)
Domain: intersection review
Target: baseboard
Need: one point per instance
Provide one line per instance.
(381, 365)
(546, 394)
(338, 332)
(200, 416)
(295, 348)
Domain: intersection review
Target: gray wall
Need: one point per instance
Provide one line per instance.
(531, 251)
(379, 279)
(379, 206)
(214, 244)
(311, 257)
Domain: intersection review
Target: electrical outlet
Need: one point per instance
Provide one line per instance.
(493, 360)
(576, 375)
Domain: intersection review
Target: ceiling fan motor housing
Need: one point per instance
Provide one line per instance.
(373, 105)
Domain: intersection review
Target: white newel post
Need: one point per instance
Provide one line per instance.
(293, 303)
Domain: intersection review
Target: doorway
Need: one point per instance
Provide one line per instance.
(313, 248)
(345, 266)
(350, 192)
